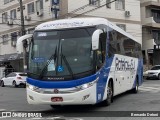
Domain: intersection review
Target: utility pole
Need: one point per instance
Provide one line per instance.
(55, 7)
(23, 33)
(22, 17)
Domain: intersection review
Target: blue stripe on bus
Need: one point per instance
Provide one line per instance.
(103, 77)
(60, 84)
(139, 72)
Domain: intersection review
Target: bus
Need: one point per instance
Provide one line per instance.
(81, 61)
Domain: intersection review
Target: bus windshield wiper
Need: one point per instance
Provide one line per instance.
(67, 64)
(53, 56)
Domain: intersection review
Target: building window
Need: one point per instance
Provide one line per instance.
(120, 4)
(94, 2)
(156, 36)
(7, 1)
(13, 14)
(108, 4)
(122, 26)
(13, 39)
(4, 17)
(39, 7)
(5, 39)
(30, 8)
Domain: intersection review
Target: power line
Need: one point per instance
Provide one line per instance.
(80, 8)
(95, 8)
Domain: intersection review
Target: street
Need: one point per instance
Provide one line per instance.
(147, 99)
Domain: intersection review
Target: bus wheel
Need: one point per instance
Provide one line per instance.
(109, 99)
(135, 90)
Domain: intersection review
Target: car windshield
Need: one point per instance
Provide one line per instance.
(23, 74)
(156, 68)
(61, 53)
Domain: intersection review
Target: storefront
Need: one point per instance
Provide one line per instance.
(15, 60)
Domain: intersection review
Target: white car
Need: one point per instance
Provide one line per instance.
(153, 73)
(14, 79)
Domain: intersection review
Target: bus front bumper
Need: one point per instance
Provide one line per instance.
(85, 96)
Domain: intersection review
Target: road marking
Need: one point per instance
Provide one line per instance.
(51, 118)
(149, 89)
(76, 119)
(36, 118)
(2, 109)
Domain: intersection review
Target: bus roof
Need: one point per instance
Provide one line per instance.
(80, 22)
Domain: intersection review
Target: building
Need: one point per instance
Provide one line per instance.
(124, 13)
(150, 10)
(35, 12)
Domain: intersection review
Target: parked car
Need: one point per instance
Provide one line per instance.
(14, 79)
(153, 73)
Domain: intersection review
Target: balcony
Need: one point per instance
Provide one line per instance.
(151, 22)
(149, 44)
(145, 3)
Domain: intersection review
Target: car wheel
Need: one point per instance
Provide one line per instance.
(109, 99)
(1, 83)
(159, 76)
(14, 84)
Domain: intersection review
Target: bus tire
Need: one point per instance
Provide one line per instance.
(109, 99)
(135, 90)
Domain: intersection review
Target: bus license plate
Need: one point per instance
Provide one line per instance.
(56, 99)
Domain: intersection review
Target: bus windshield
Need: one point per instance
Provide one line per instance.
(61, 54)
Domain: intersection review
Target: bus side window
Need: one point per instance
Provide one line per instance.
(101, 52)
(112, 46)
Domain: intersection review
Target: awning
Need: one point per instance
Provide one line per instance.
(10, 57)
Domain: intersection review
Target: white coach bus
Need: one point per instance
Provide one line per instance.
(81, 61)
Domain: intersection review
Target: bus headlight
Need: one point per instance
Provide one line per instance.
(87, 85)
(31, 87)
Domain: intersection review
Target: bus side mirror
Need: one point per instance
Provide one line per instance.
(95, 39)
(21, 42)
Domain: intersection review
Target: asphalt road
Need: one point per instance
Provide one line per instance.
(147, 99)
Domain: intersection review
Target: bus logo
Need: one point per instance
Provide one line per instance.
(56, 91)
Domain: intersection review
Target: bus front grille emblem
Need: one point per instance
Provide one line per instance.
(56, 91)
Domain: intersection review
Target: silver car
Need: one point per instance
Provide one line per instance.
(153, 73)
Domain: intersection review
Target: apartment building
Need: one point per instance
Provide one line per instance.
(35, 12)
(124, 13)
(150, 10)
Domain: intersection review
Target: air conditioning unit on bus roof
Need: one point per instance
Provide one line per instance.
(127, 13)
